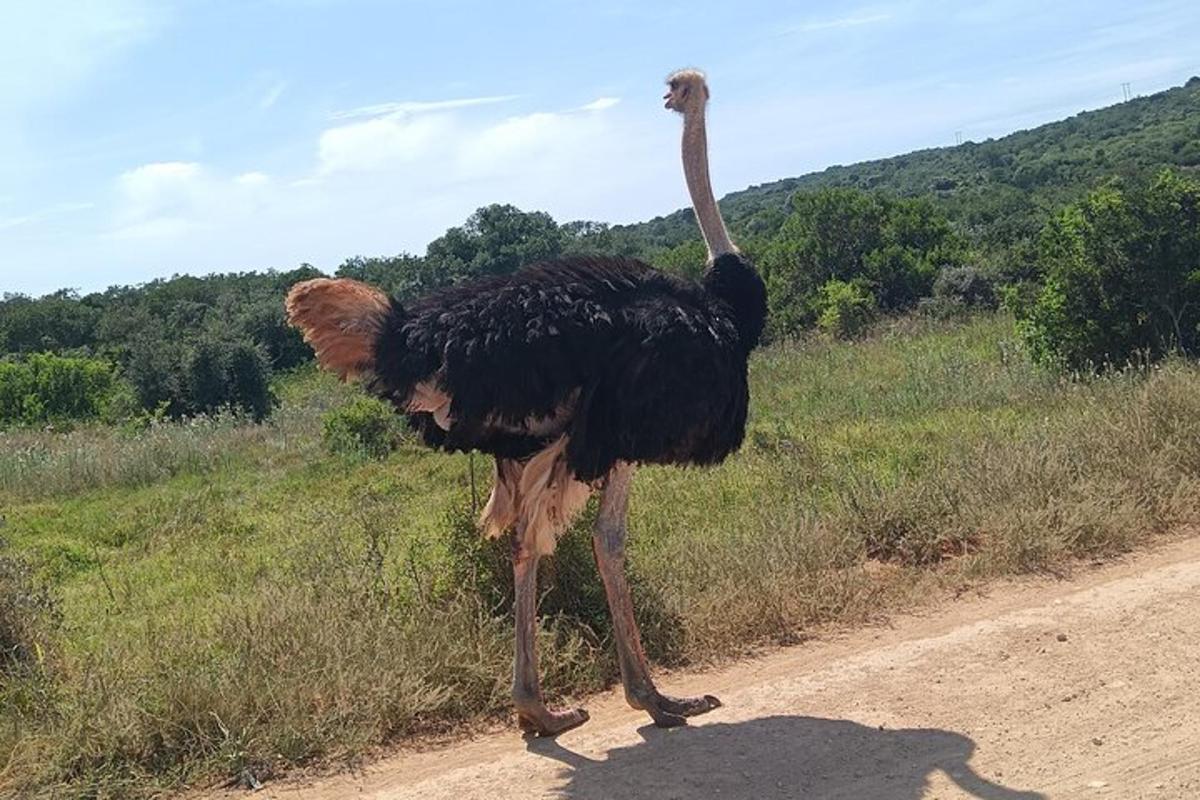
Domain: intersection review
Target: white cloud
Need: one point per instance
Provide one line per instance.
(252, 179)
(426, 147)
(380, 143)
(165, 185)
(167, 199)
(388, 184)
(407, 107)
(511, 139)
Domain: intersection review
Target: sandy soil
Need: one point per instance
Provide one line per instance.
(1041, 688)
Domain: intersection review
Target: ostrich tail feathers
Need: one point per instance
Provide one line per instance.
(341, 319)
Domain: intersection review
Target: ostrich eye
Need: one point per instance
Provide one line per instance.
(674, 85)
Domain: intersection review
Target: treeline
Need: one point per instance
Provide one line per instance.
(182, 346)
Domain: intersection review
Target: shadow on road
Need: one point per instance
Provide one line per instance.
(777, 757)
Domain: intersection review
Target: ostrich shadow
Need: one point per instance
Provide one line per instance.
(777, 757)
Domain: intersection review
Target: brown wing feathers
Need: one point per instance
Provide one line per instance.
(341, 319)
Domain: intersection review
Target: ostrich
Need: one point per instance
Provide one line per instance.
(568, 372)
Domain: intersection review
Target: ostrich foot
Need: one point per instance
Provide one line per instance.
(537, 720)
(671, 712)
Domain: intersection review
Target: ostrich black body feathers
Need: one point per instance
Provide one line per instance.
(630, 363)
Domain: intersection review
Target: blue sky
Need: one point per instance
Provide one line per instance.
(139, 139)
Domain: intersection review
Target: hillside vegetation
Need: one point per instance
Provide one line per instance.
(997, 192)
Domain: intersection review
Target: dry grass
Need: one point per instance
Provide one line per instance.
(276, 605)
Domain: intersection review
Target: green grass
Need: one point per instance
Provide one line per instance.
(233, 597)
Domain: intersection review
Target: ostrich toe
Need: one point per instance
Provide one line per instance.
(544, 722)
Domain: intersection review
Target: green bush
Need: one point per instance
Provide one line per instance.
(965, 284)
(845, 309)
(365, 426)
(891, 248)
(202, 377)
(44, 388)
(688, 259)
(1121, 277)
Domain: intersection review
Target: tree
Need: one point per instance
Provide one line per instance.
(55, 322)
(204, 383)
(892, 249)
(404, 276)
(497, 240)
(1121, 276)
(248, 380)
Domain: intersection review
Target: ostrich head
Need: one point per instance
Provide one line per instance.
(686, 89)
(687, 93)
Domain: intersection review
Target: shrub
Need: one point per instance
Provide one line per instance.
(846, 309)
(966, 284)
(44, 388)
(365, 426)
(687, 259)
(203, 377)
(248, 380)
(1121, 277)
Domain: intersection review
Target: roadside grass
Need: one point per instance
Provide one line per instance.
(235, 600)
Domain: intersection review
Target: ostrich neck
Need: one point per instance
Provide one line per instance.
(695, 170)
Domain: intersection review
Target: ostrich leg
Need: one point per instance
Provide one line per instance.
(532, 714)
(608, 545)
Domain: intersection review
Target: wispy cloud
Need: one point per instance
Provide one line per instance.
(600, 104)
(272, 95)
(47, 48)
(407, 107)
(850, 21)
(21, 220)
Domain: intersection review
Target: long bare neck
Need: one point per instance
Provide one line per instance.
(695, 170)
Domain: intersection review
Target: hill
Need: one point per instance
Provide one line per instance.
(998, 191)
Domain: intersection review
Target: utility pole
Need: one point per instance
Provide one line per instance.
(958, 137)
(1127, 91)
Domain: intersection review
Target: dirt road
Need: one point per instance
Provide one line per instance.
(1043, 688)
